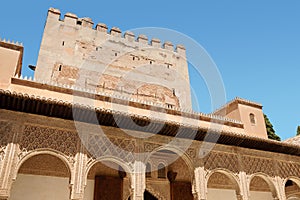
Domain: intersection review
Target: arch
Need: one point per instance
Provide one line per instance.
(294, 180)
(229, 174)
(266, 178)
(27, 175)
(182, 154)
(51, 152)
(112, 159)
(161, 168)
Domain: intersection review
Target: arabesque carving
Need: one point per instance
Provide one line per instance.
(38, 137)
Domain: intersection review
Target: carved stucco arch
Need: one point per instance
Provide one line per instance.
(296, 180)
(229, 174)
(185, 157)
(112, 159)
(268, 180)
(51, 152)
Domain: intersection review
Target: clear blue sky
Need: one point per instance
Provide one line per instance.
(255, 44)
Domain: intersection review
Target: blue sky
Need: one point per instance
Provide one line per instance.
(255, 44)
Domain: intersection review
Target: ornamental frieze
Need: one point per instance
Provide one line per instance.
(254, 165)
(39, 137)
(99, 146)
(288, 169)
(6, 134)
(223, 160)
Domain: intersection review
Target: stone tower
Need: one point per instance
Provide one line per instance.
(74, 53)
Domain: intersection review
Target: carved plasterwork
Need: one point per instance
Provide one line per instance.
(5, 133)
(99, 146)
(191, 153)
(254, 165)
(5, 137)
(183, 172)
(150, 147)
(46, 165)
(2, 153)
(258, 184)
(288, 169)
(220, 181)
(223, 160)
(38, 137)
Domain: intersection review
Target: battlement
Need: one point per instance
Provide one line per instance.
(108, 60)
(11, 55)
(18, 44)
(73, 20)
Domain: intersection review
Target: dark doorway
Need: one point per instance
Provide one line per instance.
(149, 196)
(107, 188)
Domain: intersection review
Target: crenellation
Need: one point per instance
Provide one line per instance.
(168, 46)
(70, 19)
(54, 14)
(155, 43)
(101, 27)
(143, 39)
(87, 22)
(54, 11)
(180, 49)
(20, 44)
(129, 36)
(115, 31)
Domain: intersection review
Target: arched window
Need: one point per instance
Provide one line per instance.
(161, 172)
(148, 170)
(252, 118)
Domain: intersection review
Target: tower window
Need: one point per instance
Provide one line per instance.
(168, 65)
(161, 172)
(169, 105)
(59, 68)
(150, 62)
(63, 43)
(174, 93)
(252, 118)
(116, 54)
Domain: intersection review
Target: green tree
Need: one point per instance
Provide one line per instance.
(298, 130)
(270, 130)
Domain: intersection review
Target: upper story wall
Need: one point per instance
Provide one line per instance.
(249, 113)
(74, 53)
(11, 55)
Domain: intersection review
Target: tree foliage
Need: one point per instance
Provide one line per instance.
(270, 130)
(298, 130)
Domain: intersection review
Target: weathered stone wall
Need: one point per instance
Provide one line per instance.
(73, 53)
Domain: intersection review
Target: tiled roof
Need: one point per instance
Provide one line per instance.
(293, 140)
